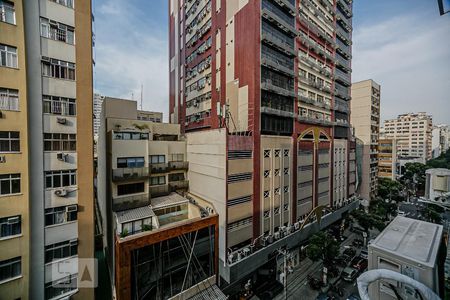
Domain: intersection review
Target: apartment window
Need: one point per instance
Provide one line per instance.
(60, 142)
(62, 286)
(158, 180)
(9, 141)
(177, 157)
(130, 136)
(68, 3)
(239, 200)
(277, 153)
(59, 105)
(61, 250)
(266, 153)
(239, 177)
(59, 215)
(57, 31)
(176, 177)
(58, 68)
(10, 226)
(9, 99)
(286, 152)
(8, 56)
(238, 154)
(157, 159)
(10, 268)
(130, 162)
(9, 184)
(130, 188)
(55, 179)
(7, 12)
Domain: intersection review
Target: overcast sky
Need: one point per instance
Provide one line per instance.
(404, 45)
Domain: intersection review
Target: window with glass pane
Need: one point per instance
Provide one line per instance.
(61, 250)
(131, 188)
(130, 162)
(55, 179)
(9, 184)
(157, 159)
(158, 180)
(7, 12)
(10, 226)
(9, 99)
(59, 105)
(9, 141)
(60, 142)
(10, 268)
(8, 56)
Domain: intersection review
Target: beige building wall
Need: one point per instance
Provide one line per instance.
(365, 118)
(15, 162)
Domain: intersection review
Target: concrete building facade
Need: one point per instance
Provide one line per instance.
(263, 130)
(142, 192)
(437, 185)
(387, 159)
(413, 134)
(46, 106)
(440, 141)
(413, 248)
(365, 118)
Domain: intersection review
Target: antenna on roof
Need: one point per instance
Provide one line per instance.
(142, 92)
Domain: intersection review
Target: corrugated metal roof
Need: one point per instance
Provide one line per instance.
(210, 293)
(135, 214)
(168, 200)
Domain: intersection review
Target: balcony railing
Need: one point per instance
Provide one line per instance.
(345, 8)
(345, 36)
(273, 17)
(159, 168)
(313, 120)
(179, 185)
(341, 106)
(309, 4)
(131, 201)
(122, 174)
(159, 190)
(271, 63)
(278, 43)
(343, 63)
(313, 102)
(178, 165)
(343, 20)
(277, 112)
(269, 86)
(316, 66)
(290, 7)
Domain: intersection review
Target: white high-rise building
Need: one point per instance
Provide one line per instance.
(440, 140)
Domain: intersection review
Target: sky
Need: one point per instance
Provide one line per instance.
(404, 45)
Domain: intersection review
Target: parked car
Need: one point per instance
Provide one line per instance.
(364, 254)
(357, 243)
(349, 274)
(353, 297)
(360, 264)
(314, 283)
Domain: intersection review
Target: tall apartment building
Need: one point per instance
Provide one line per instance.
(440, 141)
(262, 88)
(412, 132)
(365, 119)
(98, 100)
(142, 180)
(387, 159)
(46, 151)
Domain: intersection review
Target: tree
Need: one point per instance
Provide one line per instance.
(382, 208)
(368, 221)
(323, 246)
(433, 214)
(443, 161)
(390, 189)
(415, 175)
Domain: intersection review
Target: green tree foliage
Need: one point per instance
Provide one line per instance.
(382, 208)
(415, 175)
(443, 161)
(368, 221)
(390, 189)
(323, 246)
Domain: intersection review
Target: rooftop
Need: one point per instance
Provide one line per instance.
(135, 214)
(411, 239)
(169, 200)
(438, 171)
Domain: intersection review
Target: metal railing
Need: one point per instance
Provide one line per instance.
(159, 167)
(121, 174)
(278, 42)
(276, 112)
(159, 190)
(272, 63)
(131, 201)
(272, 16)
(179, 184)
(178, 165)
(268, 85)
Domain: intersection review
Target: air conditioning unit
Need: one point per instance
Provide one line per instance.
(282, 229)
(264, 241)
(62, 121)
(276, 235)
(246, 252)
(61, 193)
(239, 256)
(231, 258)
(71, 208)
(288, 229)
(297, 225)
(13, 220)
(2, 159)
(270, 239)
(62, 156)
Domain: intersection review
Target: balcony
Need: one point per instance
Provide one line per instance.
(123, 174)
(345, 8)
(343, 63)
(278, 43)
(345, 36)
(288, 5)
(179, 185)
(313, 102)
(269, 86)
(131, 201)
(313, 120)
(343, 21)
(328, 6)
(317, 12)
(277, 112)
(159, 168)
(314, 65)
(272, 17)
(342, 78)
(343, 49)
(273, 64)
(178, 165)
(340, 105)
(159, 190)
